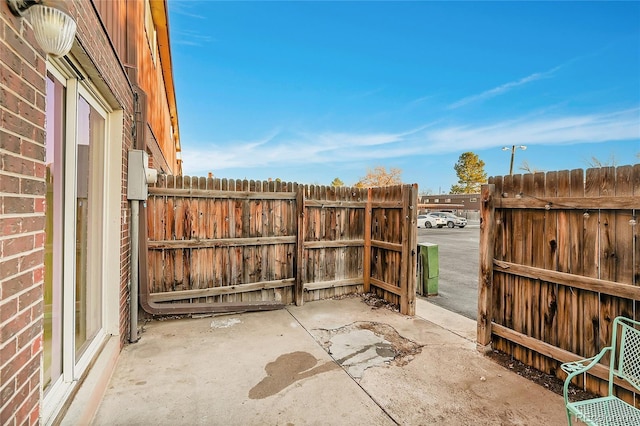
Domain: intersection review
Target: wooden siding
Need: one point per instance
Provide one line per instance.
(148, 68)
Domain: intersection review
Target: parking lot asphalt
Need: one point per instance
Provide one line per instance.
(458, 250)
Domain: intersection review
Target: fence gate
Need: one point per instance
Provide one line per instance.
(223, 245)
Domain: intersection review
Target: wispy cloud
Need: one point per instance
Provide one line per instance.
(185, 8)
(280, 149)
(543, 130)
(496, 91)
(190, 38)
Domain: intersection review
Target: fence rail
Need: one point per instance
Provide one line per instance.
(559, 260)
(214, 242)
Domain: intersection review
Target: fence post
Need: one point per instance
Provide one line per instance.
(409, 245)
(485, 279)
(299, 266)
(366, 258)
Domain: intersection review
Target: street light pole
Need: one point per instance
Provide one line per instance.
(513, 154)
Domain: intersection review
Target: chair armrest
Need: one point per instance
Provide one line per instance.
(575, 368)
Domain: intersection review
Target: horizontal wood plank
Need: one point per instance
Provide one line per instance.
(332, 284)
(220, 242)
(335, 204)
(387, 246)
(600, 371)
(333, 244)
(217, 291)
(567, 203)
(214, 194)
(386, 286)
(585, 283)
(386, 204)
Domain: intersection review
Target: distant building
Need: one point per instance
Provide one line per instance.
(466, 205)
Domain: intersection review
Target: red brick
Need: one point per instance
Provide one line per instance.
(33, 223)
(30, 297)
(9, 268)
(8, 351)
(9, 100)
(32, 260)
(15, 325)
(9, 225)
(30, 402)
(34, 76)
(41, 101)
(38, 136)
(10, 142)
(34, 417)
(16, 284)
(33, 187)
(16, 205)
(8, 308)
(10, 58)
(38, 275)
(9, 370)
(18, 165)
(33, 150)
(10, 184)
(17, 124)
(40, 205)
(24, 376)
(7, 392)
(36, 346)
(37, 310)
(16, 84)
(28, 112)
(17, 245)
(40, 239)
(18, 44)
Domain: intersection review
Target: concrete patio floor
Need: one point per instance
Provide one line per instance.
(272, 368)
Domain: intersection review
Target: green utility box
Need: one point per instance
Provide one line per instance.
(428, 269)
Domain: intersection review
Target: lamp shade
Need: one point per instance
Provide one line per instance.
(53, 29)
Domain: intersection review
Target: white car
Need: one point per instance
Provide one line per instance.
(451, 220)
(429, 221)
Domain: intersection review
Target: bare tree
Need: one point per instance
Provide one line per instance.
(528, 168)
(595, 162)
(379, 176)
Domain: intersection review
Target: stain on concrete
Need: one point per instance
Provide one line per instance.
(286, 370)
(362, 345)
(226, 323)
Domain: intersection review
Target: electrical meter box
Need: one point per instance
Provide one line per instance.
(139, 175)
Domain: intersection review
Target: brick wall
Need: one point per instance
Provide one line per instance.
(22, 199)
(22, 223)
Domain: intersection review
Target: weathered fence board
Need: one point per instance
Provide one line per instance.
(565, 249)
(222, 241)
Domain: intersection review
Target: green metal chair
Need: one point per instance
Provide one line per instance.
(624, 364)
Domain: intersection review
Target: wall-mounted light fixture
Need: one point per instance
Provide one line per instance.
(53, 29)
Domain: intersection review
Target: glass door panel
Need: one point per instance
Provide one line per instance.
(88, 300)
(52, 343)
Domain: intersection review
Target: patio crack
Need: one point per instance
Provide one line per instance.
(384, 349)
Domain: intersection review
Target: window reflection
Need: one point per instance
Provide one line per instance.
(52, 344)
(88, 299)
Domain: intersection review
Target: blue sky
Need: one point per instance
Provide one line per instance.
(310, 91)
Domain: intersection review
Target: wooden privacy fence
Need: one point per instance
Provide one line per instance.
(559, 260)
(233, 245)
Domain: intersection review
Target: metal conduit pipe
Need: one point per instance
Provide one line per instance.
(133, 290)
